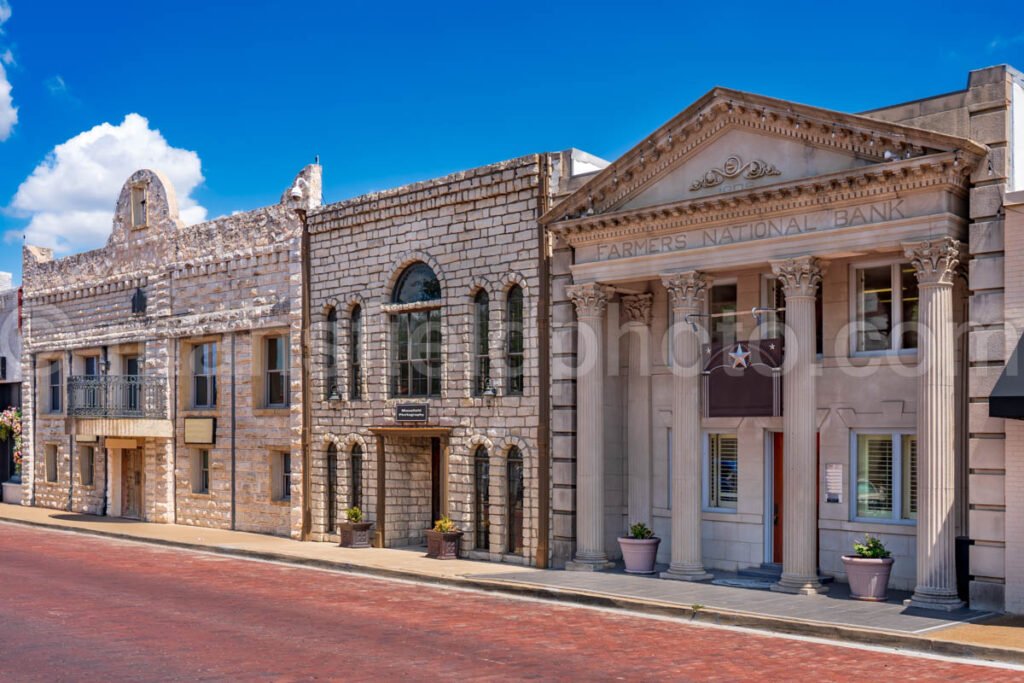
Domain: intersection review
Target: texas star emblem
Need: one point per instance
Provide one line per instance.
(740, 357)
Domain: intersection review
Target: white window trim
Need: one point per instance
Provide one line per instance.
(897, 476)
(896, 343)
(706, 469)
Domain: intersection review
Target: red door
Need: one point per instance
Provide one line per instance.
(777, 488)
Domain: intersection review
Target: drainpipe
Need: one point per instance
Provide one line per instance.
(175, 363)
(543, 373)
(35, 415)
(71, 441)
(106, 467)
(307, 418)
(233, 433)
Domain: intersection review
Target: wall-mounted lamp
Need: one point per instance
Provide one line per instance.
(334, 395)
(489, 392)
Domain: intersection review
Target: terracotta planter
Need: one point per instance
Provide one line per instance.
(868, 577)
(355, 534)
(639, 554)
(443, 545)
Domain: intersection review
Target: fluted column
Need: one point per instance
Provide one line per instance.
(591, 301)
(936, 264)
(800, 278)
(637, 308)
(686, 291)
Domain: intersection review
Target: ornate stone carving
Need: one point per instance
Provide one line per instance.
(638, 308)
(799, 276)
(734, 168)
(590, 298)
(935, 261)
(686, 290)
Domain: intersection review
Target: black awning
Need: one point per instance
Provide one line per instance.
(1007, 399)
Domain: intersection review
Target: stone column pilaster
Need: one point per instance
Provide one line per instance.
(686, 291)
(800, 278)
(591, 302)
(637, 308)
(936, 262)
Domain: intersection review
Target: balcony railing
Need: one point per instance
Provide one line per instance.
(117, 396)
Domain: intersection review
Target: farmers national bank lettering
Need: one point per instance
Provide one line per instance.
(754, 230)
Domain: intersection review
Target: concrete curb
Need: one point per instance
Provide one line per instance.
(704, 615)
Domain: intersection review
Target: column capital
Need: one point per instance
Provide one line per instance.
(638, 308)
(686, 290)
(800, 276)
(935, 261)
(591, 298)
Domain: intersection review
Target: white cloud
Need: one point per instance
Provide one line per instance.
(7, 57)
(5, 13)
(8, 112)
(70, 196)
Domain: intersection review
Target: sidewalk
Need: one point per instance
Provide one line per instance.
(965, 633)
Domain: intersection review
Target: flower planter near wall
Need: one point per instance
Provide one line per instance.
(443, 545)
(355, 534)
(868, 577)
(12, 492)
(639, 554)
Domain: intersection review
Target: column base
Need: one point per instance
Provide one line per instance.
(589, 563)
(799, 585)
(686, 573)
(938, 600)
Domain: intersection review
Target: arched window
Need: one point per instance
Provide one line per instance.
(331, 355)
(514, 499)
(514, 341)
(482, 498)
(332, 488)
(482, 345)
(355, 351)
(356, 477)
(416, 333)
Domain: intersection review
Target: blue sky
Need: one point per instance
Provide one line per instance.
(244, 93)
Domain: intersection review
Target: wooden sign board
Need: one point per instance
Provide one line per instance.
(86, 439)
(200, 430)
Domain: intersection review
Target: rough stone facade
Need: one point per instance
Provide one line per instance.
(137, 307)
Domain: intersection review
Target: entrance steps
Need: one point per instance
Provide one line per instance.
(770, 571)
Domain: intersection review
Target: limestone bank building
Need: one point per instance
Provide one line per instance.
(765, 330)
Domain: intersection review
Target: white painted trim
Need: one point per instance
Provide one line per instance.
(897, 476)
(896, 336)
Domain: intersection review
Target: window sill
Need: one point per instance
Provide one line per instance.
(281, 502)
(199, 412)
(719, 511)
(882, 520)
(271, 412)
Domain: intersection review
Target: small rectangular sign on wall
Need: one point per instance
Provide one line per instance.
(834, 483)
(200, 430)
(411, 412)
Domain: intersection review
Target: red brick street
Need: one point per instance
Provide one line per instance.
(75, 607)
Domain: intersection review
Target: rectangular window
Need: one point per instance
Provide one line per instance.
(886, 308)
(722, 471)
(51, 462)
(281, 476)
(482, 343)
(204, 375)
(200, 471)
(885, 484)
(86, 465)
(55, 386)
(276, 376)
(138, 206)
(356, 474)
(355, 390)
(92, 366)
(722, 307)
(516, 343)
(416, 353)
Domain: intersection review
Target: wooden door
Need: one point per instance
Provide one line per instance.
(131, 483)
(777, 488)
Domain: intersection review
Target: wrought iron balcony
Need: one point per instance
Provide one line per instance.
(117, 396)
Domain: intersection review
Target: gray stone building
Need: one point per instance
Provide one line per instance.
(10, 377)
(163, 371)
(430, 389)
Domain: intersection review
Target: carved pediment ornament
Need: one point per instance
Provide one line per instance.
(734, 168)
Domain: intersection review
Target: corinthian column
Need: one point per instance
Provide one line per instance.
(591, 302)
(687, 294)
(936, 264)
(800, 278)
(638, 406)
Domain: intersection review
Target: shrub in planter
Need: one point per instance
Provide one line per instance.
(354, 531)
(868, 569)
(639, 549)
(444, 540)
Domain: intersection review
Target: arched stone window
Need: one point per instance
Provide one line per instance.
(416, 333)
(355, 492)
(331, 355)
(481, 343)
(514, 341)
(355, 354)
(332, 488)
(482, 498)
(514, 499)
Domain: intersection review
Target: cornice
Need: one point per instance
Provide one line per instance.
(722, 110)
(864, 183)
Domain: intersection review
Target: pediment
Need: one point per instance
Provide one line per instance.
(729, 141)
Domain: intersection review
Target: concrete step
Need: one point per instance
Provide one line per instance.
(769, 571)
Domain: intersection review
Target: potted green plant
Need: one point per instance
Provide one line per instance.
(354, 531)
(444, 539)
(639, 549)
(868, 569)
